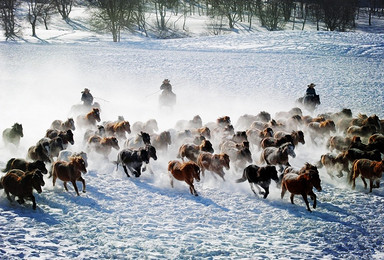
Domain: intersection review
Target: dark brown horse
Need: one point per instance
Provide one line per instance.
(301, 183)
(213, 163)
(21, 184)
(89, 119)
(259, 176)
(69, 171)
(69, 124)
(13, 135)
(66, 136)
(297, 136)
(367, 169)
(118, 129)
(184, 171)
(25, 166)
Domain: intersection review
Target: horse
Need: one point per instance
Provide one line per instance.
(66, 136)
(139, 141)
(150, 126)
(103, 145)
(276, 142)
(203, 131)
(255, 136)
(21, 184)
(90, 132)
(259, 176)
(338, 143)
(133, 159)
(191, 151)
(278, 155)
(246, 120)
(167, 98)
(118, 129)
(213, 163)
(13, 135)
(69, 171)
(184, 171)
(55, 146)
(322, 128)
(41, 151)
(354, 154)
(302, 183)
(362, 131)
(310, 103)
(239, 154)
(23, 165)
(69, 124)
(195, 123)
(65, 155)
(89, 119)
(161, 141)
(297, 136)
(367, 169)
(333, 162)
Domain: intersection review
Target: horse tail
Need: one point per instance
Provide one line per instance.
(8, 166)
(351, 173)
(244, 178)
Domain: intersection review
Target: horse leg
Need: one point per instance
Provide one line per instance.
(306, 201)
(75, 186)
(313, 197)
(8, 196)
(65, 186)
(171, 179)
(292, 195)
(20, 200)
(126, 171)
(252, 188)
(266, 192)
(370, 185)
(365, 183)
(283, 191)
(83, 182)
(33, 202)
(191, 187)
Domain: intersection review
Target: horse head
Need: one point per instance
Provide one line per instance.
(37, 180)
(146, 137)
(70, 136)
(18, 128)
(144, 155)
(206, 146)
(151, 152)
(40, 165)
(79, 163)
(288, 148)
(96, 114)
(114, 142)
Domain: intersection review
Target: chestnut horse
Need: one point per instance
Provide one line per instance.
(69, 171)
(118, 129)
(23, 165)
(21, 184)
(184, 171)
(213, 163)
(301, 183)
(367, 169)
(297, 136)
(89, 119)
(69, 124)
(13, 135)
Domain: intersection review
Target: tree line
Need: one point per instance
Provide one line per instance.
(159, 17)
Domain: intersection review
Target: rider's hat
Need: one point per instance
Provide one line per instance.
(312, 85)
(166, 81)
(85, 90)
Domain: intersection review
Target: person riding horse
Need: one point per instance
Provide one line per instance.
(167, 97)
(87, 97)
(310, 94)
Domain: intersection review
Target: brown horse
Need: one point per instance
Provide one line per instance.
(338, 143)
(184, 171)
(21, 184)
(69, 171)
(89, 119)
(69, 124)
(322, 128)
(161, 141)
(191, 151)
(118, 129)
(66, 136)
(301, 183)
(333, 162)
(213, 163)
(103, 145)
(367, 169)
(297, 136)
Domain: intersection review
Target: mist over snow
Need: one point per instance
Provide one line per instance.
(212, 76)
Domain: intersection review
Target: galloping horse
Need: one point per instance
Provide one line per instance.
(184, 171)
(367, 169)
(302, 183)
(69, 124)
(213, 163)
(89, 119)
(13, 135)
(23, 165)
(309, 103)
(103, 145)
(278, 155)
(21, 184)
(161, 141)
(118, 129)
(69, 171)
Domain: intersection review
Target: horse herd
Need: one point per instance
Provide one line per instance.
(258, 146)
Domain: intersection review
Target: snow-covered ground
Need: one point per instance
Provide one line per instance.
(212, 76)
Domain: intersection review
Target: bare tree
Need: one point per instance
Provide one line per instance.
(8, 18)
(35, 12)
(64, 7)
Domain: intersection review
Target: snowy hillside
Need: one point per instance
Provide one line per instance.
(212, 76)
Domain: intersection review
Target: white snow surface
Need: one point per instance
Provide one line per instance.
(120, 217)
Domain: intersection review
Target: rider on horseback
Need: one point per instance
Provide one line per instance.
(310, 93)
(166, 86)
(167, 97)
